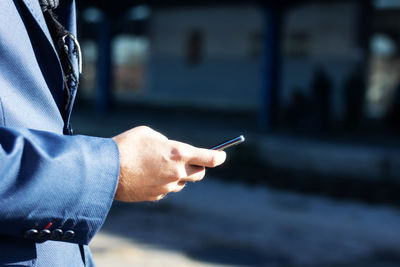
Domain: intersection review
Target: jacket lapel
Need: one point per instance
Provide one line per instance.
(36, 11)
(55, 82)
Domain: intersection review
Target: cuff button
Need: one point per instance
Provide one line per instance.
(32, 233)
(45, 233)
(68, 235)
(56, 234)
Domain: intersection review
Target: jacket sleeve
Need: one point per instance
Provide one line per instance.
(55, 186)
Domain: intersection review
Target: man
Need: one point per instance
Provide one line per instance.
(56, 189)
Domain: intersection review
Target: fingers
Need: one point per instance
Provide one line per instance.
(194, 173)
(173, 187)
(187, 173)
(190, 173)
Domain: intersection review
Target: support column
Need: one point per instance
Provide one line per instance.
(104, 68)
(271, 66)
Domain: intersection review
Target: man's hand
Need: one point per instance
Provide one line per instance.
(152, 166)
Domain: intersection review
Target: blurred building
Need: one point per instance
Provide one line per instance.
(207, 55)
(319, 37)
(298, 64)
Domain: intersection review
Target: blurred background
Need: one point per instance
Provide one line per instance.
(313, 85)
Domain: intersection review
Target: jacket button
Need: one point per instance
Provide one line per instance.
(68, 235)
(45, 233)
(32, 233)
(56, 234)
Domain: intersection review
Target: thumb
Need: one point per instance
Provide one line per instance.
(207, 157)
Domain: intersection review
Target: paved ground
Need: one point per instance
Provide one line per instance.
(218, 224)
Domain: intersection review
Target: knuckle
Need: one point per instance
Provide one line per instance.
(177, 154)
(176, 175)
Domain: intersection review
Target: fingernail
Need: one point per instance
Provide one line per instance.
(221, 155)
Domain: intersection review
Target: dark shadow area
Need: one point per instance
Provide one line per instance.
(171, 228)
(171, 234)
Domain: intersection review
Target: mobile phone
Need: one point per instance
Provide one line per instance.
(229, 143)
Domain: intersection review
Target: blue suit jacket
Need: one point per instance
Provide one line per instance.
(55, 190)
